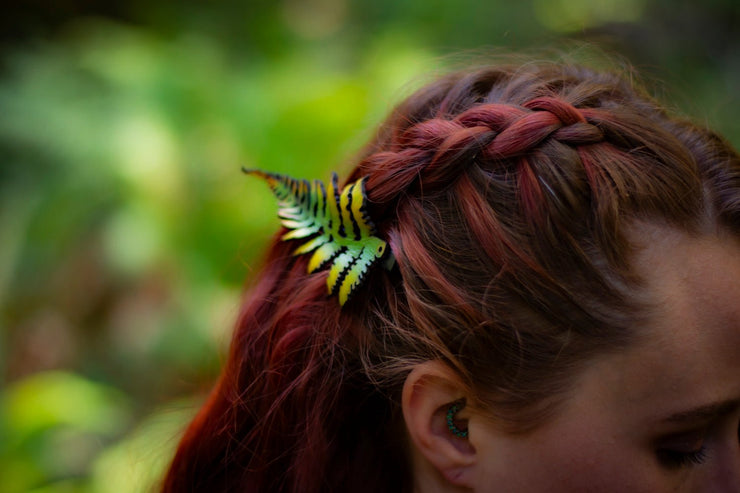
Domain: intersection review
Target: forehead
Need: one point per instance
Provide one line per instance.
(690, 342)
(693, 285)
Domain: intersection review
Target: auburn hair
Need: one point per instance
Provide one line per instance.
(506, 195)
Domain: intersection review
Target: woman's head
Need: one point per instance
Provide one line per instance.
(508, 197)
(516, 202)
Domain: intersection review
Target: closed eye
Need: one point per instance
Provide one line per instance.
(675, 459)
(683, 449)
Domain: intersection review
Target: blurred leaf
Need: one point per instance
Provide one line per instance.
(138, 462)
(53, 424)
(50, 399)
(63, 486)
(576, 15)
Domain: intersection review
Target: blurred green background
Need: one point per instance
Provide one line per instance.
(126, 227)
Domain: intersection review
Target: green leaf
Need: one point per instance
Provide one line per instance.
(337, 226)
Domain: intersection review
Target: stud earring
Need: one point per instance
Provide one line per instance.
(454, 408)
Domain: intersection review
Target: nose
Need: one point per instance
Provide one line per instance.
(725, 474)
(729, 473)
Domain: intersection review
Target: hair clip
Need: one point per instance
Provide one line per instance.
(339, 230)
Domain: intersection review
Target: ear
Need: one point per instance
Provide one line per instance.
(429, 391)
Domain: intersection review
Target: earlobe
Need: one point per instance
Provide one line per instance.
(432, 397)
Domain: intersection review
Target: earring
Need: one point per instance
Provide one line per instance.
(454, 408)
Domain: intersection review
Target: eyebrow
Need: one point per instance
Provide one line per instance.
(703, 413)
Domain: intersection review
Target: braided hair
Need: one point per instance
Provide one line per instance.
(507, 196)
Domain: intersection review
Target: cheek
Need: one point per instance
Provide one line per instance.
(590, 464)
(573, 457)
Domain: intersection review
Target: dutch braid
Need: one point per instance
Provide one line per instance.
(430, 154)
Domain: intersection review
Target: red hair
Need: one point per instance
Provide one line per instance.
(506, 196)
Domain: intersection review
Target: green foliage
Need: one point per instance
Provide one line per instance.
(53, 426)
(130, 228)
(137, 462)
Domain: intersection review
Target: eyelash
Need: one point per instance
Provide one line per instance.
(675, 459)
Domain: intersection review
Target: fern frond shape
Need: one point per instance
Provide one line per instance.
(339, 231)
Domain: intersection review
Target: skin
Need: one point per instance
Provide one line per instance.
(661, 416)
